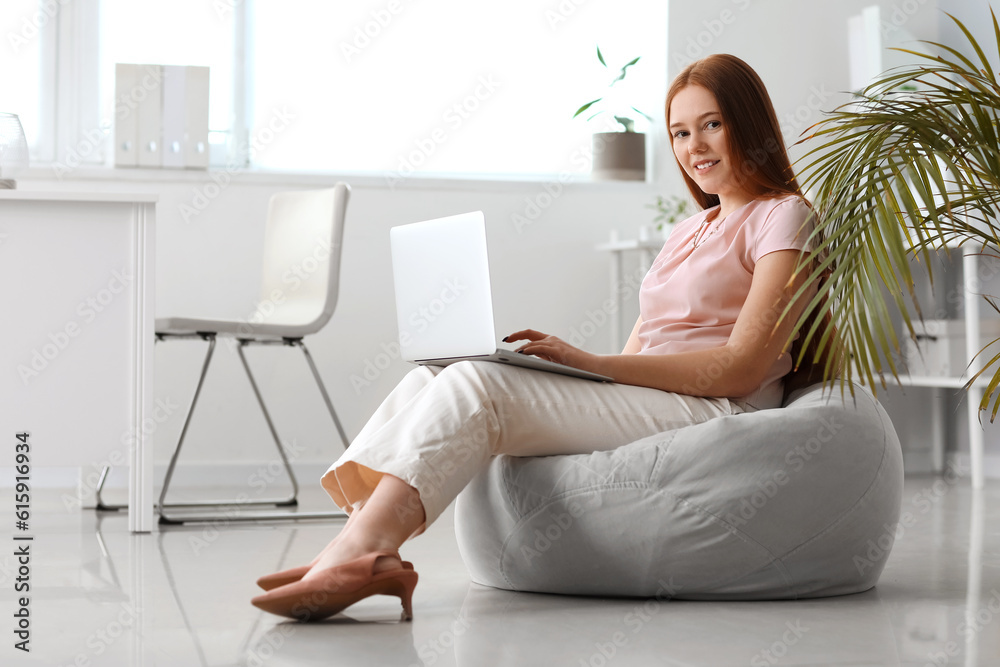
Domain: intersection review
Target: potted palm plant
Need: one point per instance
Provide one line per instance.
(909, 166)
(618, 155)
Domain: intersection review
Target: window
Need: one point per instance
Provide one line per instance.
(392, 87)
(179, 32)
(28, 31)
(444, 86)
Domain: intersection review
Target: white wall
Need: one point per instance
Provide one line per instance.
(546, 276)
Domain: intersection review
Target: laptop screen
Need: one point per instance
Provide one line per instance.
(441, 279)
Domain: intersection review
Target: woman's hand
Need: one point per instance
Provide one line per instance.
(554, 349)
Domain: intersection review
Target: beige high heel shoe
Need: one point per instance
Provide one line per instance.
(291, 575)
(338, 587)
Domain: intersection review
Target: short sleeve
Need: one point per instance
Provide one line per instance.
(784, 228)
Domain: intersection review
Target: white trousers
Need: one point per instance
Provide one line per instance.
(441, 426)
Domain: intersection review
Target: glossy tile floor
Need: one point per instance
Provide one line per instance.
(180, 596)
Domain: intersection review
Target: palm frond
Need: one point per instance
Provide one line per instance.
(898, 175)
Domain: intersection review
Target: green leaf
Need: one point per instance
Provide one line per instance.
(621, 74)
(646, 116)
(587, 106)
(600, 57)
(898, 176)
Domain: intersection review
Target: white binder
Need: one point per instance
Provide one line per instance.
(150, 79)
(196, 107)
(161, 116)
(126, 115)
(174, 116)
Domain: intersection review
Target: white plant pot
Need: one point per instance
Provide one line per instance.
(619, 156)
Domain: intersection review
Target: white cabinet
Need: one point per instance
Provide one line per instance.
(974, 341)
(78, 333)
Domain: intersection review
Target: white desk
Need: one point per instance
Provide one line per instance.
(78, 333)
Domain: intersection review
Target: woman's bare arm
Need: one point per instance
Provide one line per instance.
(731, 370)
(633, 345)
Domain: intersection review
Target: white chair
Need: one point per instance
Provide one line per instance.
(304, 229)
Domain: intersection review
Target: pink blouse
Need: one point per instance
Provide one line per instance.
(691, 297)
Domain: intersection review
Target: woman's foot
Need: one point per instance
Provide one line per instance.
(276, 579)
(363, 560)
(291, 575)
(344, 549)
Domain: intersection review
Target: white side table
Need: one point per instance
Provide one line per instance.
(78, 334)
(647, 249)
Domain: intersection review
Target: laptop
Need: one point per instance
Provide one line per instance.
(444, 303)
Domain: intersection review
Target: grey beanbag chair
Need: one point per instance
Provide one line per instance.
(795, 502)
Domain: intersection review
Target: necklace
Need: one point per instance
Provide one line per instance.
(694, 240)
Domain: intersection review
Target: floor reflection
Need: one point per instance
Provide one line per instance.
(593, 631)
(181, 597)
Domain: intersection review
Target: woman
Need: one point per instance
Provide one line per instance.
(708, 343)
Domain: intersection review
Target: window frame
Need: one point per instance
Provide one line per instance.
(71, 134)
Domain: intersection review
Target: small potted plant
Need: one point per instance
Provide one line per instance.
(669, 210)
(618, 155)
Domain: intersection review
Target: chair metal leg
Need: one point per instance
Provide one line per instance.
(187, 421)
(292, 499)
(234, 506)
(102, 506)
(235, 513)
(210, 337)
(322, 389)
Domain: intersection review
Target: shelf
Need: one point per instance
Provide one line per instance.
(632, 244)
(938, 381)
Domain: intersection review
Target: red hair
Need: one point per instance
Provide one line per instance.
(756, 148)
